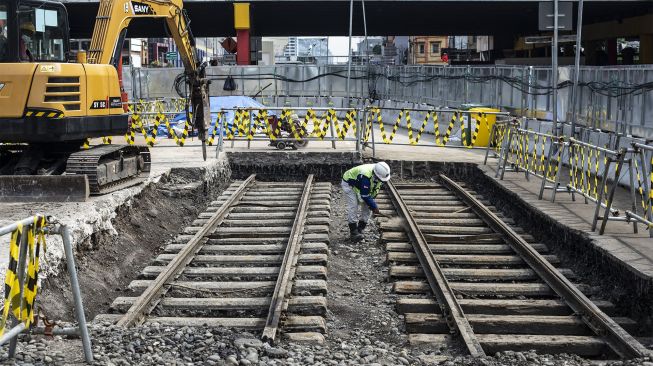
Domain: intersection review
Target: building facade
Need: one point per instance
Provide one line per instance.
(427, 50)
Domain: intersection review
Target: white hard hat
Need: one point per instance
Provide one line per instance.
(382, 171)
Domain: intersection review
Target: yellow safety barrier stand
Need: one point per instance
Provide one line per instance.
(12, 298)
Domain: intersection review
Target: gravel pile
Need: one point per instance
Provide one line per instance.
(158, 345)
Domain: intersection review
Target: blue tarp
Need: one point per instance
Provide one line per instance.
(217, 104)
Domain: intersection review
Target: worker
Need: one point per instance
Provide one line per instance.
(360, 185)
(27, 31)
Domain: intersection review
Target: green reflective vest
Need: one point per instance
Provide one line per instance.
(353, 177)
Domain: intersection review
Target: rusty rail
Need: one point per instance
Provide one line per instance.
(602, 325)
(445, 296)
(152, 295)
(283, 286)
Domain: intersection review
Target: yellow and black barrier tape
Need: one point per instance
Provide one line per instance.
(214, 130)
(12, 298)
(646, 198)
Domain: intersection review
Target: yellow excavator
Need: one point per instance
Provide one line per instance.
(49, 106)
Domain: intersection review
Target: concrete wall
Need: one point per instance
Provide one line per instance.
(611, 98)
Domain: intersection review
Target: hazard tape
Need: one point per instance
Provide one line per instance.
(214, 130)
(441, 140)
(646, 198)
(388, 139)
(12, 298)
(348, 123)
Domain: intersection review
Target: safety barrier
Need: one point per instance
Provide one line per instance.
(591, 171)
(589, 176)
(310, 124)
(27, 243)
(147, 116)
(526, 151)
(270, 123)
(467, 124)
(642, 156)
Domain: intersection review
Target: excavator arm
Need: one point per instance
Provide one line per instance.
(113, 19)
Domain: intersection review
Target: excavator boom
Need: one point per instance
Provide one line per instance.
(48, 106)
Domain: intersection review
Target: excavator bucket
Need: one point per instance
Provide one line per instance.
(44, 188)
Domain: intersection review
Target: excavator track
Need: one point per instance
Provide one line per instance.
(111, 167)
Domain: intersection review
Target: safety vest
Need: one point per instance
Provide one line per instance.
(366, 170)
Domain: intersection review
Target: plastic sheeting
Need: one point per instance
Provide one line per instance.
(227, 104)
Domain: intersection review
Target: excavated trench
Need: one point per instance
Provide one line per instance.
(631, 293)
(106, 262)
(361, 305)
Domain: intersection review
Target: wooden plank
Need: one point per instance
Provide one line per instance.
(502, 324)
(497, 306)
(462, 259)
(241, 323)
(486, 288)
(401, 236)
(317, 271)
(255, 248)
(441, 229)
(253, 221)
(246, 259)
(305, 337)
(313, 286)
(477, 274)
(245, 232)
(314, 305)
(433, 340)
(309, 323)
(470, 248)
(155, 288)
(252, 215)
(254, 240)
(580, 345)
(392, 225)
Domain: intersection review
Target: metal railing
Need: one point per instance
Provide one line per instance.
(593, 172)
(643, 166)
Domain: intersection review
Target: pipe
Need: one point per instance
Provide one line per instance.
(11, 227)
(13, 332)
(574, 89)
(77, 296)
(351, 17)
(554, 68)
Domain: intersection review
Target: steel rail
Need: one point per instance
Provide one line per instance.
(440, 287)
(602, 325)
(153, 293)
(283, 286)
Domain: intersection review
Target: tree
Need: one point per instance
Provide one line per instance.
(376, 50)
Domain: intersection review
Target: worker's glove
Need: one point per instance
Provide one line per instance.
(376, 211)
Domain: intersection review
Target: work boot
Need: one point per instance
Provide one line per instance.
(353, 232)
(361, 226)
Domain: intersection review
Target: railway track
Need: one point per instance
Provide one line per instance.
(255, 259)
(468, 275)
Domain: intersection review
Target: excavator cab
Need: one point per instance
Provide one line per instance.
(37, 32)
(44, 99)
(49, 107)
